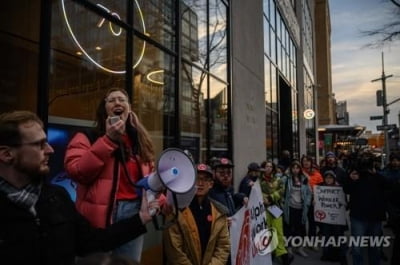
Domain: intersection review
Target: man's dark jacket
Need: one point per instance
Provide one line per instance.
(226, 196)
(367, 201)
(58, 233)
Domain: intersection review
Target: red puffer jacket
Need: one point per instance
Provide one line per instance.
(97, 173)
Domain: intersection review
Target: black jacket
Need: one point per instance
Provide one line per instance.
(58, 233)
(232, 201)
(367, 201)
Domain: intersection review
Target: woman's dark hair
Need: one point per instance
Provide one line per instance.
(264, 163)
(295, 163)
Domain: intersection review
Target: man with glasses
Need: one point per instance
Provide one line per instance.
(223, 186)
(201, 234)
(39, 224)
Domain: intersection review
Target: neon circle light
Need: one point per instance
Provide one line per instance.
(150, 76)
(87, 54)
(309, 114)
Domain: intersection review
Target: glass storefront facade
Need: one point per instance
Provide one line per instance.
(281, 98)
(171, 56)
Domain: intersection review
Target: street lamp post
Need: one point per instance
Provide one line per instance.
(385, 107)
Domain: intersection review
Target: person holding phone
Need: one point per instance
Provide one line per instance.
(106, 169)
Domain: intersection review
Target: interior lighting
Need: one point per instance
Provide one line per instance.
(141, 54)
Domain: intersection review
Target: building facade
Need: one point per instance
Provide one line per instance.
(215, 77)
(342, 115)
(326, 97)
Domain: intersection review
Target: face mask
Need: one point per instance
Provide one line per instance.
(278, 175)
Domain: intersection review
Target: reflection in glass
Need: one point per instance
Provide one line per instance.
(159, 20)
(275, 136)
(266, 8)
(272, 12)
(154, 96)
(218, 118)
(96, 38)
(19, 51)
(267, 81)
(218, 39)
(194, 31)
(274, 97)
(267, 46)
(77, 79)
(193, 111)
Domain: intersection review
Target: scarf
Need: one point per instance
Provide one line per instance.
(25, 197)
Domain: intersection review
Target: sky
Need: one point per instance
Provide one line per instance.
(354, 65)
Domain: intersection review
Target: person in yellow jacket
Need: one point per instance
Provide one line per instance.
(200, 236)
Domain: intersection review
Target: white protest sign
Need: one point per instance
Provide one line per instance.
(330, 205)
(251, 240)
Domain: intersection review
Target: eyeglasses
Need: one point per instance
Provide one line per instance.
(114, 100)
(42, 144)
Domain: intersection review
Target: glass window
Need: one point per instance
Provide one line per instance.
(19, 49)
(267, 45)
(272, 12)
(267, 80)
(268, 133)
(193, 111)
(218, 39)
(278, 26)
(85, 62)
(274, 91)
(154, 96)
(194, 42)
(273, 46)
(218, 118)
(275, 136)
(278, 55)
(266, 8)
(156, 19)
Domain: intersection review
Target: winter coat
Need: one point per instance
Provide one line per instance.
(314, 177)
(244, 184)
(227, 197)
(272, 189)
(305, 197)
(97, 170)
(58, 233)
(367, 200)
(340, 173)
(182, 241)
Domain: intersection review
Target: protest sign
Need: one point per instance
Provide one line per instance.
(330, 205)
(251, 240)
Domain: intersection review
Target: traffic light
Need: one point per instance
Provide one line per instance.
(379, 98)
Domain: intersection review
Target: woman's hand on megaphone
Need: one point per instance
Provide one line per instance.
(147, 208)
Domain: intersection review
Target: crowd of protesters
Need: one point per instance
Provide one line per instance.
(44, 225)
(371, 192)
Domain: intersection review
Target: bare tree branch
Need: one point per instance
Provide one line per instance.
(386, 33)
(394, 2)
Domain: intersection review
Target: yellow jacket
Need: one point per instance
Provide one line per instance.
(182, 242)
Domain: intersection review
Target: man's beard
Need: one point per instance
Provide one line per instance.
(35, 174)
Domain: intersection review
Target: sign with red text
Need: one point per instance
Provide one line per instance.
(251, 240)
(330, 205)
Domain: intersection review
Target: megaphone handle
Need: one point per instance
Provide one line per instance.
(151, 196)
